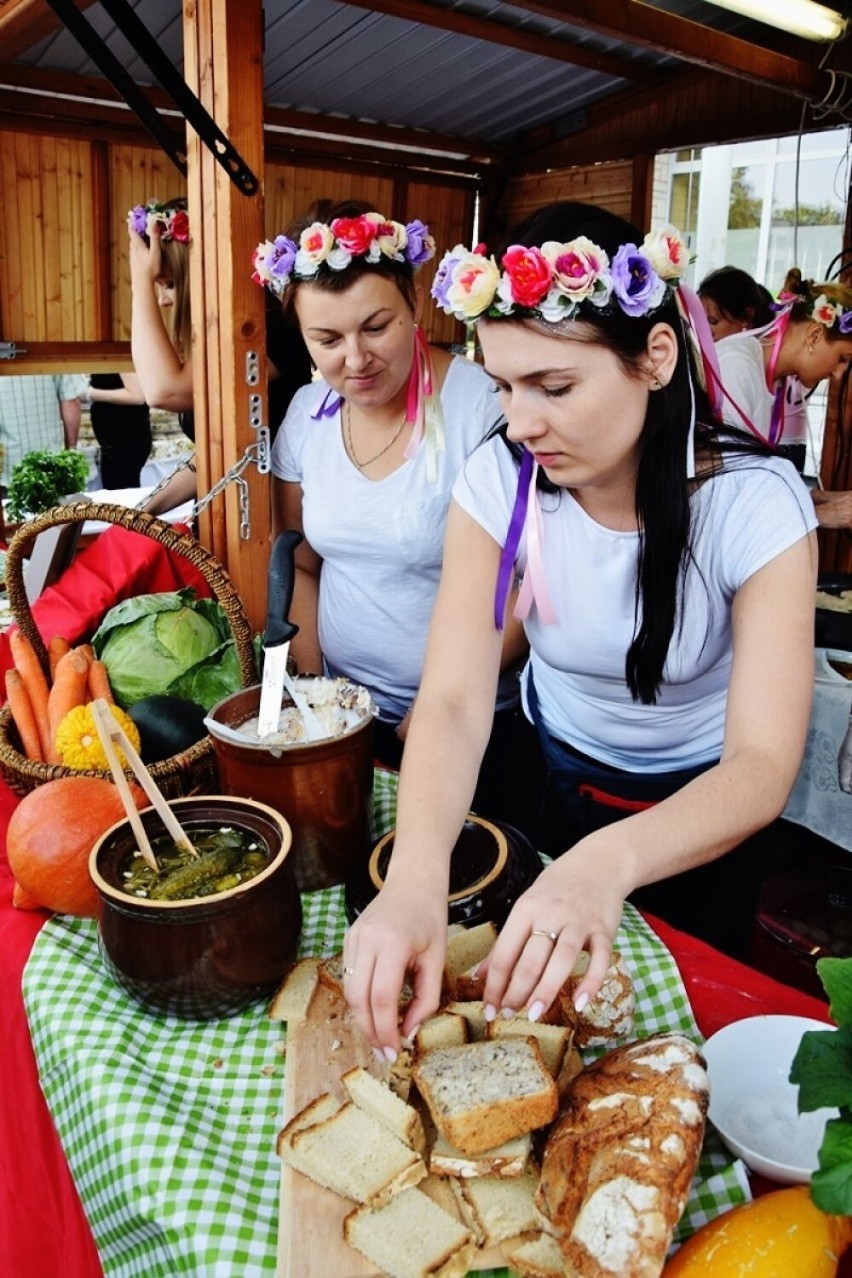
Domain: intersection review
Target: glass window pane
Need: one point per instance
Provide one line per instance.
(683, 205)
(821, 213)
(746, 201)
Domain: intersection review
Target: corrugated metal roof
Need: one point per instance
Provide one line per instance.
(345, 60)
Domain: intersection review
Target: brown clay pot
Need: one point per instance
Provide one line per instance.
(209, 957)
(323, 789)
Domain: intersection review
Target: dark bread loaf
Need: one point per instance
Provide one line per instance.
(619, 1161)
(606, 1017)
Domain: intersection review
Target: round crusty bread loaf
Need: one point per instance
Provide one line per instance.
(608, 1016)
(619, 1161)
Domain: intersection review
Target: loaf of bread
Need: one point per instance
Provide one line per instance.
(608, 1016)
(483, 1094)
(411, 1237)
(618, 1163)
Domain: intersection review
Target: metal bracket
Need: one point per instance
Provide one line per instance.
(8, 350)
(170, 79)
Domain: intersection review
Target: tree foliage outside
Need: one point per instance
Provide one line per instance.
(744, 210)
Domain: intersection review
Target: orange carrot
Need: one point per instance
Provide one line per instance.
(98, 683)
(68, 691)
(29, 668)
(87, 650)
(56, 648)
(22, 713)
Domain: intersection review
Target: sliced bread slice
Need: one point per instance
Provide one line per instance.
(554, 1040)
(484, 1094)
(318, 1110)
(536, 1257)
(411, 1237)
(474, 1013)
(465, 948)
(445, 1029)
(509, 1159)
(503, 1208)
(377, 1099)
(292, 999)
(353, 1154)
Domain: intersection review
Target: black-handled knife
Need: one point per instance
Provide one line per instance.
(279, 629)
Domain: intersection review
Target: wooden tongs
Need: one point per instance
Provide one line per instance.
(111, 734)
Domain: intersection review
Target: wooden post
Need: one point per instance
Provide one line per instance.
(223, 65)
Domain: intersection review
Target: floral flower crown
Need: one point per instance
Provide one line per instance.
(174, 222)
(554, 281)
(819, 308)
(332, 247)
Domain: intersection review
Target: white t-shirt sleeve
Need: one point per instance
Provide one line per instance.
(743, 377)
(486, 485)
(286, 461)
(772, 511)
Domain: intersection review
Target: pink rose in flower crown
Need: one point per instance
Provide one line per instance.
(529, 274)
(315, 244)
(825, 312)
(355, 234)
(472, 284)
(667, 252)
(580, 269)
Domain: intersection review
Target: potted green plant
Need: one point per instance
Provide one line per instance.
(42, 479)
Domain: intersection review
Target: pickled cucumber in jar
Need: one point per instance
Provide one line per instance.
(226, 858)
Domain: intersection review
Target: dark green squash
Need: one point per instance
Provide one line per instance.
(167, 725)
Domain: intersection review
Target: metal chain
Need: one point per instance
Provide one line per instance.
(257, 453)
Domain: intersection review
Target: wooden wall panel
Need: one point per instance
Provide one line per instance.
(610, 185)
(290, 191)
(448, 211)
(48, 258)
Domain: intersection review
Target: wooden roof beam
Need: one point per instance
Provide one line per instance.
(647, 27)
(24, 22)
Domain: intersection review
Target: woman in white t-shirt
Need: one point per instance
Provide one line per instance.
(367, 456)
(668, 573)
(763, 374)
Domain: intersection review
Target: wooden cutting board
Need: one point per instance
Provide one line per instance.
(310, 1225)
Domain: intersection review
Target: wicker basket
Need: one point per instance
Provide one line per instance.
(191, 771)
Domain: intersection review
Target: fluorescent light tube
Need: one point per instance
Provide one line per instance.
(801, 17)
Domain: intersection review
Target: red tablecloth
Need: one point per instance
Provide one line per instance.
(43, 1230)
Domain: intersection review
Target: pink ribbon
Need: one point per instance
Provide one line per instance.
(534, 584)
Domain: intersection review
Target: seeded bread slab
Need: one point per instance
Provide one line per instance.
(618, 1164)
(377, 1099)
(351, 1153)
(483, 1094)
(411, 1237)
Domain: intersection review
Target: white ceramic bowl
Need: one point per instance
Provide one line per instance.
(753, 1106)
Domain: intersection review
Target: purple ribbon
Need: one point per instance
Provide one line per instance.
(328, 405)
(513, 539)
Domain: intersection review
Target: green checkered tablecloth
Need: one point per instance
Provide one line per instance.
(169, 1127)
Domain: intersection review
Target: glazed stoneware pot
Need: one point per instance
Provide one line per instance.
(208, 957)
(323, 788)
(492, 864)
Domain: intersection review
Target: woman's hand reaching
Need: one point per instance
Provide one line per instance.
(146, 260)
(401, 936)
(573, 905)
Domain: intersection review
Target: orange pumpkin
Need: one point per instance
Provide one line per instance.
(51, 833)
(782, 1234)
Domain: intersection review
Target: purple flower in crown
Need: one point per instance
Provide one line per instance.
(281, 259)
(444, 276)
(421, 246)
(137, 219)
(636, 285)
(844, 324)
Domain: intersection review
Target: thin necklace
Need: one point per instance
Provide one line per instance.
(361, 465)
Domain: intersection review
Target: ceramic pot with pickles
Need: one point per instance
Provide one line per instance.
(204, 938)
(491, 865)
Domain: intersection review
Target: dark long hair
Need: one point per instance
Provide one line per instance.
(662, 488)
(738, 296)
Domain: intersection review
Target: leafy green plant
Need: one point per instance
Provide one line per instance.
(822, 1068)
(41, 480)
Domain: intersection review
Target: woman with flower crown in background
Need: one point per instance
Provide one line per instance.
(161, 332)
(762, 372)
(668, 571)
(367, 456)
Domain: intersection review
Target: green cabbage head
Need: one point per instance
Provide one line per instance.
(148, 642)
